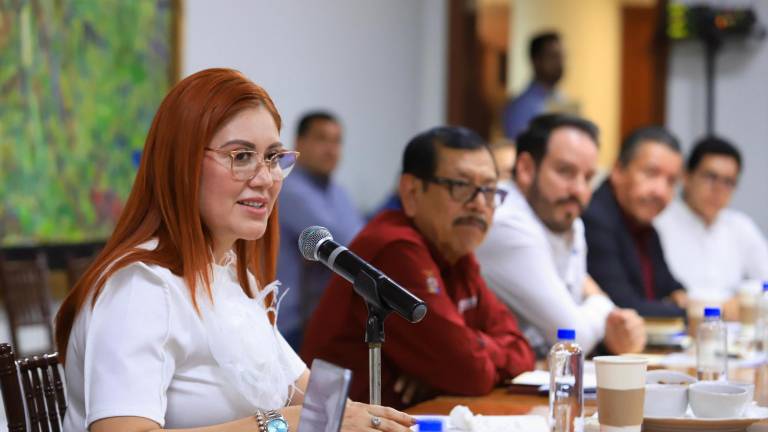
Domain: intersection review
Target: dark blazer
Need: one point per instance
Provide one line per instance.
(613, 262)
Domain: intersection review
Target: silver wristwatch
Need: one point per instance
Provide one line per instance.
(271, 421)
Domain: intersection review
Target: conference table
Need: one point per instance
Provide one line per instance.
(499, 402)
(503, 402)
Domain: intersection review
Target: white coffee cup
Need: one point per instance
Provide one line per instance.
(711, 399)
(666, 393)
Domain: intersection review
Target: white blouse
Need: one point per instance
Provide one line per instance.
(143, 350)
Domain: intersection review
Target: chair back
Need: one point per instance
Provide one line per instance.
(76, 267)
(33, 392)
(26, 292)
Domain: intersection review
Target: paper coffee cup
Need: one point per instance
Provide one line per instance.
(749, 291)
(620, 392)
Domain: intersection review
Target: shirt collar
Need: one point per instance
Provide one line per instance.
(696, 218)
(565, 239)
(322, 182)
(537, 88)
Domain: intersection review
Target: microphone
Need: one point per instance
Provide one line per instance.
(316, 244)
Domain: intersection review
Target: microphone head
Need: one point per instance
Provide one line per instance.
(310, 238)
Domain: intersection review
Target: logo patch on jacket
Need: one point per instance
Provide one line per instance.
(433, 286)
(466, 304)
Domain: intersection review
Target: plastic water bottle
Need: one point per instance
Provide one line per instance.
(566, 388)
(712, 347)
(761, 323)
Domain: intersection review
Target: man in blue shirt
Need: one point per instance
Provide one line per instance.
(311, 197)
(546, 54)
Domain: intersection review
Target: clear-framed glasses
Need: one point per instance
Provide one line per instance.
(713, 179)
(245, 164)
(464, 192)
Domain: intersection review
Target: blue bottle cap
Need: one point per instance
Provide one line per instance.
(765, 286)
(430, 425)
(566, 334)
(712, 312)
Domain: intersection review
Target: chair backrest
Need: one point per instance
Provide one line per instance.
(26, 292)
(76, 267)
(33, 392)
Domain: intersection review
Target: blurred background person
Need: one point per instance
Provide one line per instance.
(710, 248)
(541, 95)
(535, 257)
(468, 342)
(311, 197)
(624, 251)
(504, 153)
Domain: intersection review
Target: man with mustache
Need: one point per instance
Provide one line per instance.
(535, 257)
(469, 341)
(625, 255)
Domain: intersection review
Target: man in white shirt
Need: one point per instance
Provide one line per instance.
(534, 257)
(712, 249)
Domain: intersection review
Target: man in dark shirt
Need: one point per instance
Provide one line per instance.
(469, 341)
(624, 252)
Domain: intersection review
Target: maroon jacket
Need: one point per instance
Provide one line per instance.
(467, 343)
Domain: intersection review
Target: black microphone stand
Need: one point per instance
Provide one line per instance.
(712, 44)
(367, 287)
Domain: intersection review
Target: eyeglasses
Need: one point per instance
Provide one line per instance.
(715, 179)
(464, 192)
(245, 164)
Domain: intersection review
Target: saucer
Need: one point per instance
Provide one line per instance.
(752, 414)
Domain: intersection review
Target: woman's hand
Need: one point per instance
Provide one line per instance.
(370, 418)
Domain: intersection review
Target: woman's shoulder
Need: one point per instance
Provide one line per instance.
(142, 295)
(137, 280)
(148, 280)
(139, 274)
(158, 273)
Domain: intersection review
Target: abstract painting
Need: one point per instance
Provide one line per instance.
(80, 81)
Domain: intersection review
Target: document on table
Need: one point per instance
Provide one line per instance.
(540, 378)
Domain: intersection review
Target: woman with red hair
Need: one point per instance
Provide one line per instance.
(173, 324)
